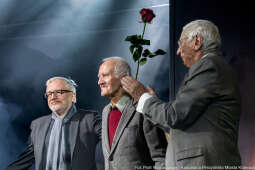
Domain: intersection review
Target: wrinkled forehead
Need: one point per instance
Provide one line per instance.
(183, 36)
(107, 67)
(58, 84)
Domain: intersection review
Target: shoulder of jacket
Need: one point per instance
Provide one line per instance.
(87, 114)
(84, 111)
(42, 118)
(203, 64)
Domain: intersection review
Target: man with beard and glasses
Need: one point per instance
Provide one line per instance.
(67, 138)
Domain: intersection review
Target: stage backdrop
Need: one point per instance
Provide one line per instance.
(48, 38)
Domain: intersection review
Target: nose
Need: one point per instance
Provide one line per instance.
(100, 81)
(53, 95)
(178, 52)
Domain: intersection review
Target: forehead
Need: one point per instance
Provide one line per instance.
(183, 36)
(57, 84)
(107, 67)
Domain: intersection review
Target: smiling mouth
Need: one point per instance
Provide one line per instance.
(103, 87)
(54, 102)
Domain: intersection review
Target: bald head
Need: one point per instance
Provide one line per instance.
(109, 77)
(120, 66)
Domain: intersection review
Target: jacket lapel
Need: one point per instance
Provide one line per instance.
(105, 134)
(41, 133)
(127, 115)
(73, 131)
(185, 79)
(195, 68)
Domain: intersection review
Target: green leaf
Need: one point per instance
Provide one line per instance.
(131, 48)
(160, 52)
(156, 53)
(142, 41)
(134, 39)
(146, 53)
(137, 40)
(137, 54)
(140, 49)
(147, 42)
(152, 55)
(143, 61)
(129, 38)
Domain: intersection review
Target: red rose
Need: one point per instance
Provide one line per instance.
(147, 15)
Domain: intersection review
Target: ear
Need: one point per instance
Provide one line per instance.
(198, 42)
(74, 98)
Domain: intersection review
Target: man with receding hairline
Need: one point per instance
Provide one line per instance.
(129, 141)
(67, 138)
(204, 117)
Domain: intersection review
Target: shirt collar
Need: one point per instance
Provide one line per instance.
(121, 103)
(205, 55)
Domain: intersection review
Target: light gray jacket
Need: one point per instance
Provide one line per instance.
(136, 144)
(203, 119)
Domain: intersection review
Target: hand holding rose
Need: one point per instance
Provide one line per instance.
(135, 88)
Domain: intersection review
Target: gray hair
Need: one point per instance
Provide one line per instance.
(121, 67)
(209, 32)
(68, 81)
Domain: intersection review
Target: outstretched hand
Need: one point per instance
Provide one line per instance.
(133, 87)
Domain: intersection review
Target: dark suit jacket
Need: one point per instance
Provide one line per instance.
(84, 131)
(204, 117)
(137, 144)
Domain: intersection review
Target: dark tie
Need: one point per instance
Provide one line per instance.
(113, 121)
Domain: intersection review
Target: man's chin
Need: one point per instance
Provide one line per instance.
(104, 94)
(55, 109)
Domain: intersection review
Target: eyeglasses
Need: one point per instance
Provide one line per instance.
(56, 92)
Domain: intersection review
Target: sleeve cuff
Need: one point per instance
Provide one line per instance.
(142, 101)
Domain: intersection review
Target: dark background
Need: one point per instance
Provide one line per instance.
(71, 37)
(41, 39)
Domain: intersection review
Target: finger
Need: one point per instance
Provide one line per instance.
(124, 82)
(125, 88)
(127, 78)
(126, 85)
(151, 91)
(127, 81)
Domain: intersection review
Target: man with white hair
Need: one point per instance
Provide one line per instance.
(129, 141)
(204, 117)
(67, 138)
